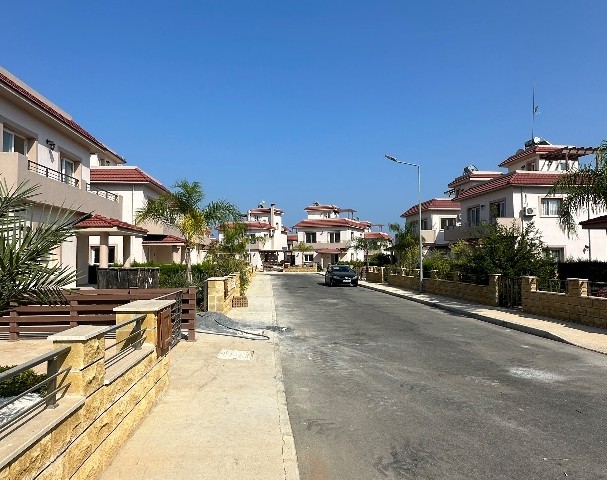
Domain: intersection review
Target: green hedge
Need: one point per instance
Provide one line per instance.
(20, 383)
(591, 270)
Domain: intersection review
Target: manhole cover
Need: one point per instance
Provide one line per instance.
(235, 355)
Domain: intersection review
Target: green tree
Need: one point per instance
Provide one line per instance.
(584, 189)
(367, 245)
(506, 250)
(29, 268)
(182, 209)
(406, 241)
(230, 255)
(303, 248)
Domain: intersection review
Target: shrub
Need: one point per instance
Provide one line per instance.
(20, 383)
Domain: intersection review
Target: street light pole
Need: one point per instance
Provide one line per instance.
(419, 212)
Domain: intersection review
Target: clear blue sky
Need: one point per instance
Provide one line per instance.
(293, 102)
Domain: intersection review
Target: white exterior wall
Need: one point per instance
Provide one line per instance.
(433, 222)
(553, 237)
(322, 241)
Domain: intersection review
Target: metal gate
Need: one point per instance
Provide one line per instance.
(509, 291)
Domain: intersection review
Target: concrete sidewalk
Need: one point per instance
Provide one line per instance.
(590, 338)
(221, 418)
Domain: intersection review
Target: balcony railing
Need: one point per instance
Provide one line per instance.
(69, 180)
(52, 174)
(101, 192)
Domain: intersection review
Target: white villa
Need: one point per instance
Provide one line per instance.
(268, 236)
(438, 215)
(329, 236)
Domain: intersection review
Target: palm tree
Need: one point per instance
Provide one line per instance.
(585, 188)
(181, 209)
(29, 270)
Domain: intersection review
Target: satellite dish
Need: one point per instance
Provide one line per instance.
(470, 169)
(537, 140)
(261, 204)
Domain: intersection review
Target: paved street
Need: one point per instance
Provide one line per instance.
(379, 387)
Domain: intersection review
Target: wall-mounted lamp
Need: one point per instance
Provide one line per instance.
(50, 144)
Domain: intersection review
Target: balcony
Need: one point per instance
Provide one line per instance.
(57, 189)
(454, 234)
(428, 236)
(318, 245)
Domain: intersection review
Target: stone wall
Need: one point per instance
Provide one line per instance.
(482, 294)
(101, 408)
(574, 306)
(375, 275)
(299, 268)
(220, 291)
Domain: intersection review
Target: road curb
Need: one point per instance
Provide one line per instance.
(495, 321)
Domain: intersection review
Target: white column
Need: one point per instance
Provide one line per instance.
(104, 242)
(126, 250)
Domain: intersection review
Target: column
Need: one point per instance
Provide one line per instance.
(104, 242)
(126, 250)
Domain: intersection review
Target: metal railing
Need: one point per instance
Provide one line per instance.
(50, 383)
(597, 289)
(52, 174)
(129, 343)
(101, 192)
(553, 285)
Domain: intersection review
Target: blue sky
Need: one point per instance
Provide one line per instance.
(293, 102)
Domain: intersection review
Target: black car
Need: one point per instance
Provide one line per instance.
(340, 275)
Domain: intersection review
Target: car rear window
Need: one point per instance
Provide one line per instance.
(341, 268)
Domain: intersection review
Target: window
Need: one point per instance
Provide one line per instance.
(556, 254)
(424, 224)
(11, 142)
(334, 237)
(551, 207)
(68, 172)
(308, 257)
(497, 209)
(310, 237)
(111, 255)
(474, 215)
(530, 166)
(445, 223)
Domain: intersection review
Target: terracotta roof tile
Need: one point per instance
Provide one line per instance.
(54, 113)
(277, 211)
(292, 237)
(124, 175)
(322, 208)
(99, 221)
(433, 204)
(378, 235)
(331, 222)
(543, 179)
(168, 239)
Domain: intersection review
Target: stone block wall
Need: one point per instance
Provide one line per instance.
(481, 294)
(100, 410)
(221, 291)
(299, 269)
(574, 306)
(376, 274)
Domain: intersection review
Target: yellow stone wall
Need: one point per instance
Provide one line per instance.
(220, 291)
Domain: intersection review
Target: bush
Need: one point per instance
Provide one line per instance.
(20, 383)
(594, 271)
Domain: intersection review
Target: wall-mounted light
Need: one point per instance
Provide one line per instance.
(50, 144)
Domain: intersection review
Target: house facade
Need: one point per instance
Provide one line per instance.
(520, 196)
(438, 215)
(267, 236)
(329, 238)
(42, 145)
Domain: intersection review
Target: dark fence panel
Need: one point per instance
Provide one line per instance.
(509, 291)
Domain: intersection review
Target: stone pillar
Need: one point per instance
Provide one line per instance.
(152, 309)
(433, 274)
(126, 250)
(85, 359)
(528, 288)
(215, 294)
(176, 254)
(104, 242)
(577, 287)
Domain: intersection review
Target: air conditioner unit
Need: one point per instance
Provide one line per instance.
(530, 211)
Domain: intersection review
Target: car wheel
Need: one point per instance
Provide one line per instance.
(355, 284)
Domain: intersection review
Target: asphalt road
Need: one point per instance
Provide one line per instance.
(382, 388)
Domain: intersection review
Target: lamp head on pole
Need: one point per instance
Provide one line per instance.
(390, 157)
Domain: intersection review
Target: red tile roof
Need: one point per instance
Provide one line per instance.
(258, 226)
(99, 221)
(292, 237)
(124, 175)
(476, 175)
(331, 222)
(597, 223)
(433, 204)
(167, 239)
(378, 235)
(328, 250)
(540, 179)
(54, 113)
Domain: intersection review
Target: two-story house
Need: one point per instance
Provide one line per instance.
(42, 145)
(520, 196)
(438, 215)
(329, 236)
(267, 236)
